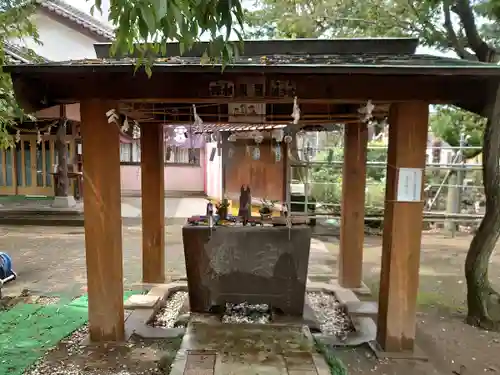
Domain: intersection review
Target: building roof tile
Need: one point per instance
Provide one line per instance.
(89, 22)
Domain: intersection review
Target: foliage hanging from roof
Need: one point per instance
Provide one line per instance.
(153, 23)
(14, 23)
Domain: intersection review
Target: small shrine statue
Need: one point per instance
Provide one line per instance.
(222, 209)
(245, 211)
(210, 214)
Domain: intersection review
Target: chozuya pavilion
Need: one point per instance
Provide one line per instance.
(330, 78)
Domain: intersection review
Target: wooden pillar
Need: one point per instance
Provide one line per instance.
(153, 203)
(352, 229)
(408, 123)
(103, 222)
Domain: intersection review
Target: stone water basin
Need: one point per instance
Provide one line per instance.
(257, 265)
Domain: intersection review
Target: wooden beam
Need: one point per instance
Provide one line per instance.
(354, 88)
(402, 229)
(353, 205)
(153, 203)
(103, 222)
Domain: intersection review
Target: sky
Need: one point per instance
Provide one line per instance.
(85, 6)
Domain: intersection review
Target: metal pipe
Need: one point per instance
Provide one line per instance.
(7, 279)
(382, 164)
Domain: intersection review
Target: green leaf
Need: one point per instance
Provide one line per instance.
(148, 17)
(147, 69)
(160, 7)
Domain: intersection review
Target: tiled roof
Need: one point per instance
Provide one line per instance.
(363, 56)
(341, 63)
(65, 10)
(19, 55)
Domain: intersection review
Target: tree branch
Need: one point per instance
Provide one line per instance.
(483, 51)
(422, 20)
(452, 35)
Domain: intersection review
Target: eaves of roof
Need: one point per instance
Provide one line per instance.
(75, 15)
(19, 55)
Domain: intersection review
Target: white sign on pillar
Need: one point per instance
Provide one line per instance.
(409, 185)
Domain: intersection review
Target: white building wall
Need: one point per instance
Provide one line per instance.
(59, 42)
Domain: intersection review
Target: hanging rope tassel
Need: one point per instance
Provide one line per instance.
(198, 122)
(296, 111)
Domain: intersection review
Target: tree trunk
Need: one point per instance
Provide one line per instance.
(62, 187)
(483, 301)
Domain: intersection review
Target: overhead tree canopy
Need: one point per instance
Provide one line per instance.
(445, 25)
(185, 21)
(14, 23)
(137, 21)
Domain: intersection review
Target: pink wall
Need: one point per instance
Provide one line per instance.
(213, 187)
(177, 177)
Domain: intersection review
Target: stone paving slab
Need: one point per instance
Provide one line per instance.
(141, 301)
(247, 349)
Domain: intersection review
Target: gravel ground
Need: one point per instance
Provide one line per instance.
(47, 300)
(332, 316)
(167, 315)
(73, 347)
(71, 357)
(246, 313)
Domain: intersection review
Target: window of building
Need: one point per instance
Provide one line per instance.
(130, 153)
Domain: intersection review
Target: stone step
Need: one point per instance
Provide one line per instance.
(250, 349)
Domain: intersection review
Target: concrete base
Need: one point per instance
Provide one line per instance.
(365, 327)
(145, 308)
(365, 332)
(64, 202)
(416, 354)
(140, 301)
(369, 308)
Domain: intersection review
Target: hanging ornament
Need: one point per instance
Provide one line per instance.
(366, 111)
(180, 134)
(17, 138)
(198, 122)
(278, 135)
(256, 153)
(308, 151)
(38, 137)
(277, 152)
(287, 139)
(232, 137)
(296, 111)
(218, 138)
(112, 116)
(258, 138)
(125, 126)
(136, 131)
(192, 156)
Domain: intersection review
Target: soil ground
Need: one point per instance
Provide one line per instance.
(451, 346)
(52, 261)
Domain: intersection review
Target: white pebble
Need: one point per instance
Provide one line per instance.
(331, 314)
(246, 313)
(167, 315)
